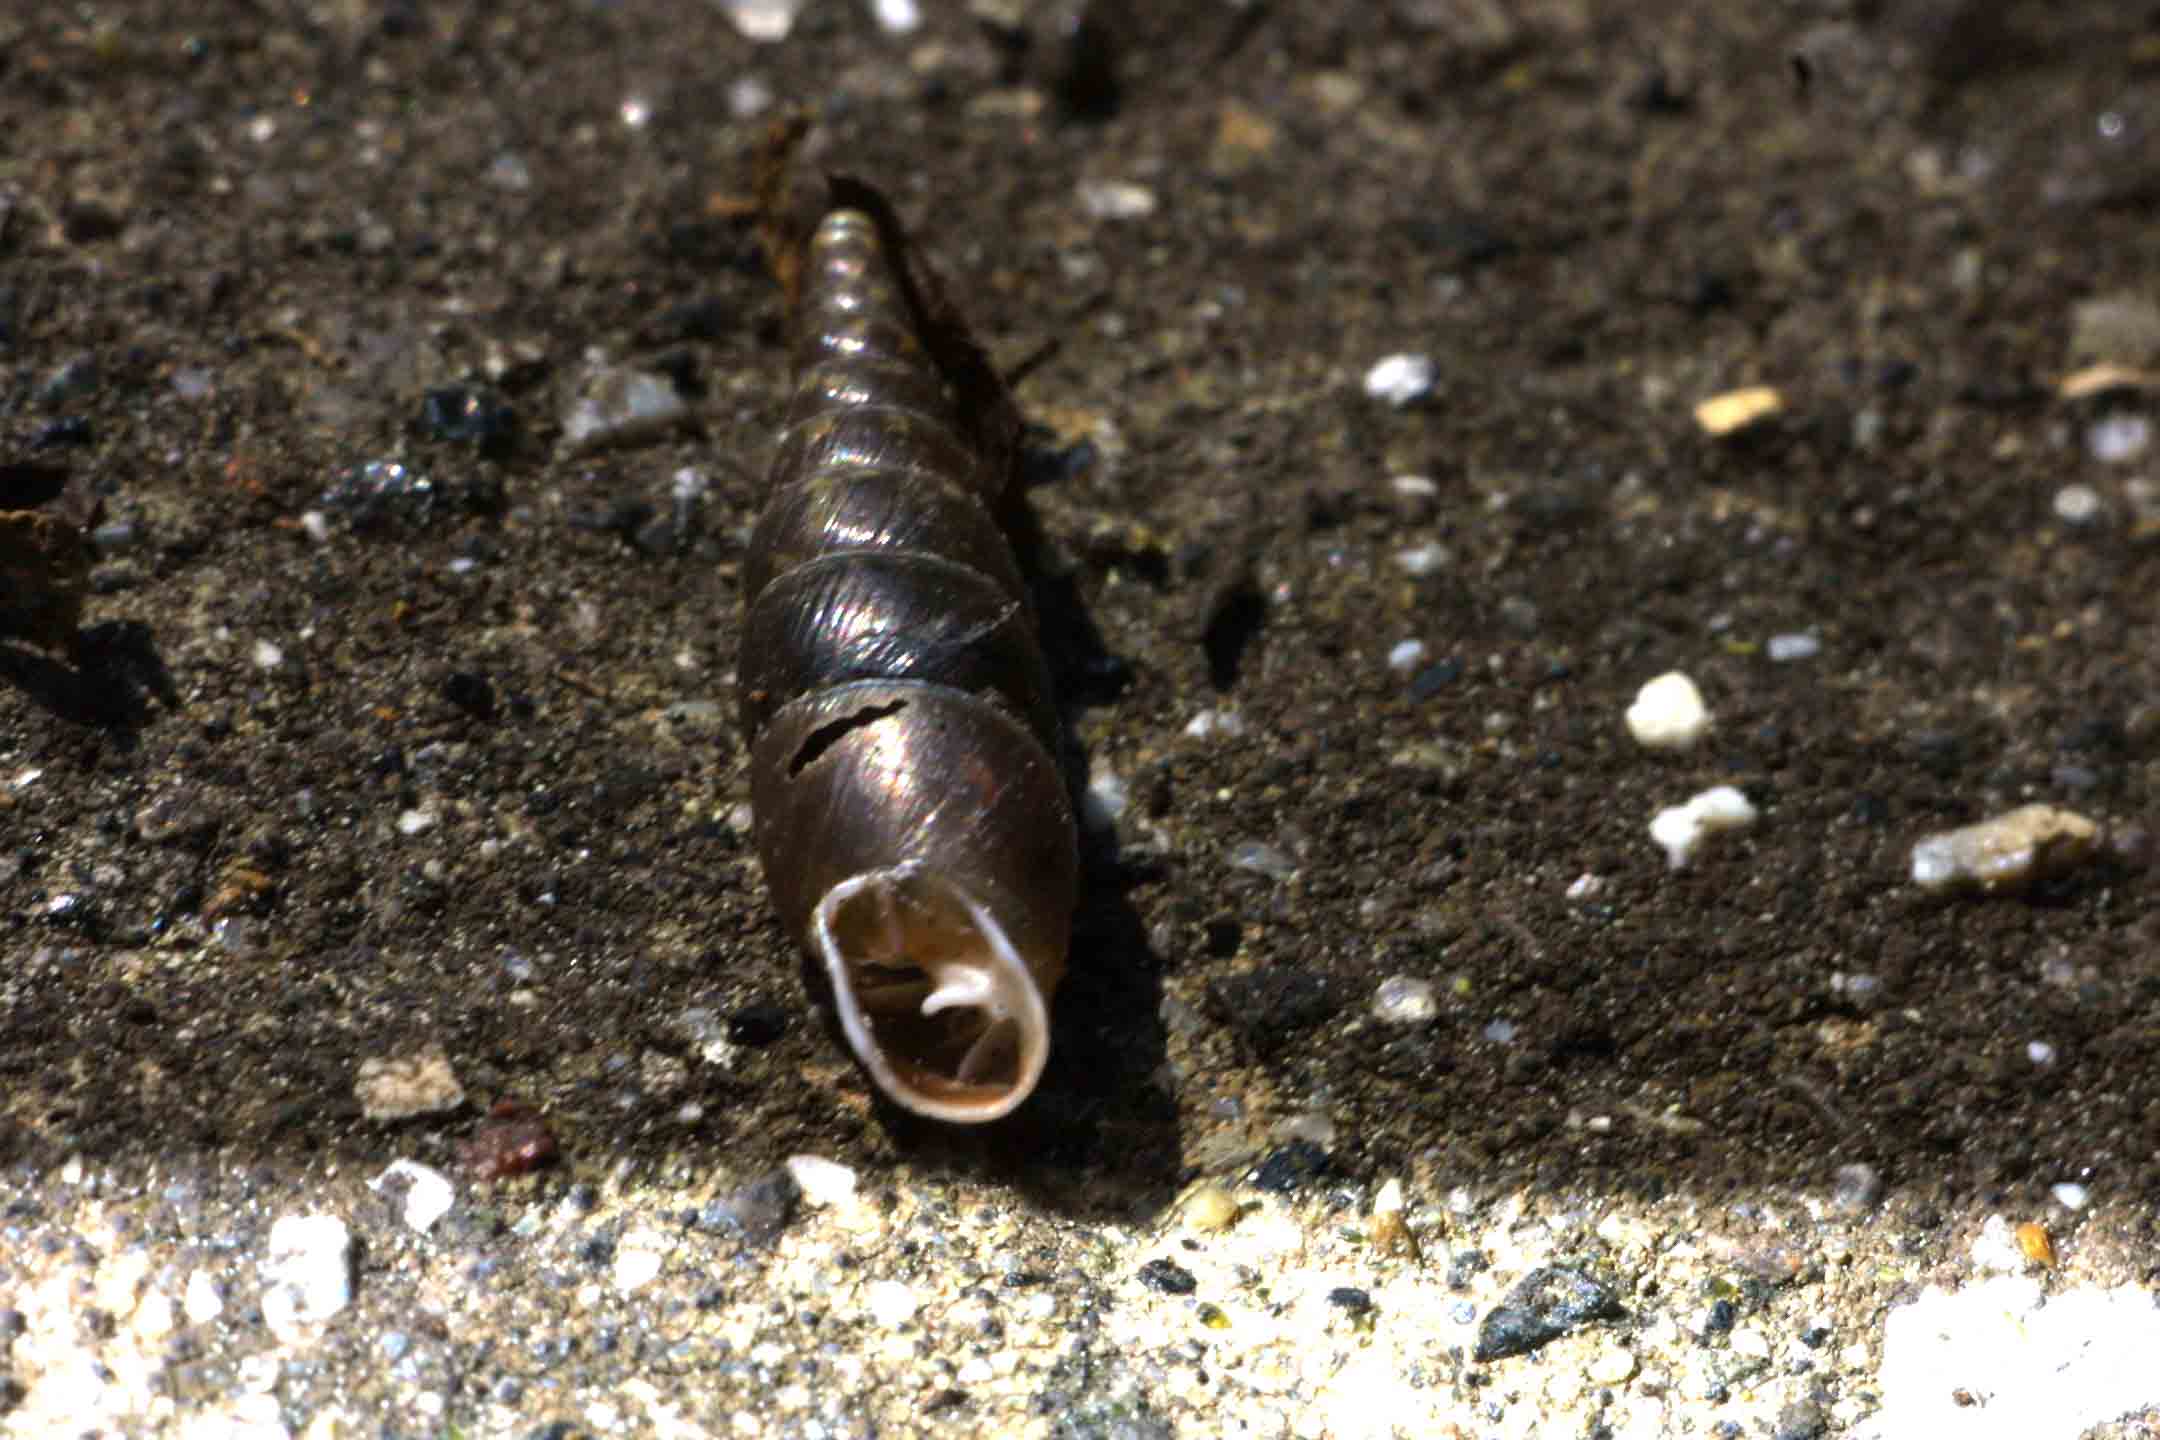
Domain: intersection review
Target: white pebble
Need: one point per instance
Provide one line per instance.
(890, 1303)
(1751, 1342)
(638, 1261)
(412, 822)
(897, 17)
(315, 525)
(1402, 379)
(1423, 559)
(1105, 798)
(202, 1303)
(1415, 487)
(822, 1182)
(268, 656)
(1679, 829)
(428, 1193)
(1406, 655)
(1783, 649)
(1615, 1367)
(2040, 1052)
(1404, 1000)
(2077, 505)
(2007, 852)
(763, 21)
(309, 1271)
(2119, 439)
(1668, 713)
(1585, 886)
(1116, 200)
(2070, 1195)
(1214, 722)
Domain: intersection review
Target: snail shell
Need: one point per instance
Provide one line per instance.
(914, 824)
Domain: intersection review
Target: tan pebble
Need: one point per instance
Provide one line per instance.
(1211, 1208)
(2038, 1246)
(2006, 853)
(1736, 410)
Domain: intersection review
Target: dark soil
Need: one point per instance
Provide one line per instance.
(263, 235)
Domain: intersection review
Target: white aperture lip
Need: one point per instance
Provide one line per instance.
(905, 944)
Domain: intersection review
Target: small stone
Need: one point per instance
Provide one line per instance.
(762, 21)
(1405, 1000)
(758, 1211)
(2118, 439)
(202, 1302)
(1402, 379)
(267, 656)
(638, 1261)
(1211, 1208)
(1406, 655)
(2070, 1195)
(1751, 1342)
(1167, 1277)
(1855, 1190)
(1614, 1367)
(428, 1192)
(1738, 410)
(1352, 1299)
(1262, 859)
(404, 1086)
(2008, 853)
(822, 1182)
(1422, 560)
(1681, 829)
(619, 405)
(309, 1273)
(2120, 329)
(1291, 1167)
(1668, 714)
(897, 17)
(1784, 649)
(1546, 1304)
(1116, 200)
(2079, 505)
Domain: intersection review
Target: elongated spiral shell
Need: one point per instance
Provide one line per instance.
(914, 824)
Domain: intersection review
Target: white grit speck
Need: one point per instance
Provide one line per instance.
(1406, 655)
(428, 1193)
(1422, 560)
(2078, 505)
(309, 1273)
(1784, 649)
(1668, 714)
(1214, 722)
(639, 1260)
(1414, 487)
(1995, 1249)
(1404, 1000)
(890, 1303)
(1585, 886)
(268, 656)
(1402, 379)
(822, 1182)
(1116, 200)
(2026, 1365)
(412, 822)
(316, 526)
(1681, 829)
(2039, 1052)
(2070, 1195)
(2119, 439)
(763, 21)
(202, 1303)
(897, 17)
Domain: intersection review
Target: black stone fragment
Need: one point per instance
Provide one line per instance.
(1352, 1299)
(471, 692)
(1168, 1277)
(1292, 1167)
(1547, 1303)
(757, 1024)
